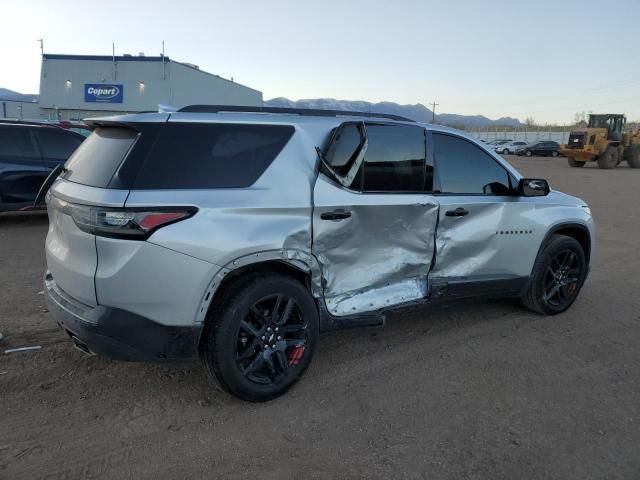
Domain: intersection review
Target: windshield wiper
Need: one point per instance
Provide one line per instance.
(55, 173)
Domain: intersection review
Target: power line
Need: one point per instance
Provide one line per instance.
(595, 90)
(576, 108)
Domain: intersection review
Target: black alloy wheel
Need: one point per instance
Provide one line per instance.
(260, 335)
(557, 277)
(562, 279)
(271, 339)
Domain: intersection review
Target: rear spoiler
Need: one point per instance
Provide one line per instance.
(128, 120)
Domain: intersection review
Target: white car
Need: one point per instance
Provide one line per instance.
(509, 148)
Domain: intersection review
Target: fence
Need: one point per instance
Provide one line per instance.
(529, 134)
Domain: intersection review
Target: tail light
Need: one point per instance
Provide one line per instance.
(128, 223)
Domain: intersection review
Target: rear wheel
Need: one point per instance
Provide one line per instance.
(554, 154)
(557, 278)
(609, 159)
(634, 159)
(575, 163)
(263, 338)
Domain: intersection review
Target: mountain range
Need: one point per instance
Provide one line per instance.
(6, 94)
(417, 112)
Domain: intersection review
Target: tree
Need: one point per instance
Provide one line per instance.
(581, 117)
(530, 121)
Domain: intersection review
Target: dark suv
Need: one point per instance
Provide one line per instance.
(28, 152)
(540, 149)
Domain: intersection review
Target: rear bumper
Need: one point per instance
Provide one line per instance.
(118, 334)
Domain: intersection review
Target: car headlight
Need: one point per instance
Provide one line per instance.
(586, 209)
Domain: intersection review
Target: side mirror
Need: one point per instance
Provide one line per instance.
(533, 187)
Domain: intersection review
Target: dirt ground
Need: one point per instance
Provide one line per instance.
(482, 390)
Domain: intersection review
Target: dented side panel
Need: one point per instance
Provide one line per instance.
(498, 238)
(381, 255)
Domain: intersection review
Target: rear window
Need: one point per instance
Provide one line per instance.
(98, 157)
(57, 144)
(200, 156)
(16, 142)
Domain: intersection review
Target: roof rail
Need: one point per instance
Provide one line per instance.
(312, 112)
(33, 123)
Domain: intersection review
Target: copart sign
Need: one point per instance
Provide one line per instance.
(103, 93)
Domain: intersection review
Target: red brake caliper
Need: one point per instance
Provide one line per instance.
(296, 354)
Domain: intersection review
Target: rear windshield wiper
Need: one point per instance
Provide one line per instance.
(47, 184)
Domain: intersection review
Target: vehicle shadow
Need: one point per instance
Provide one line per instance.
(35, 217)
(190, 382)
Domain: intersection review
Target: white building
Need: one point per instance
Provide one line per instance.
(20, 110)
(80, 86)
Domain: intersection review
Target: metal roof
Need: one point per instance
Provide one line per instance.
(106, 58)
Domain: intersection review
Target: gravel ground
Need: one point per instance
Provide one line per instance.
(482, 390)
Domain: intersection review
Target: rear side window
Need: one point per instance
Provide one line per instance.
(205, 155)
(57, 144)
(16, 142)
(395, 159)
(98, 157)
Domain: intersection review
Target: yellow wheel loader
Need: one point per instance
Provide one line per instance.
(603, 141)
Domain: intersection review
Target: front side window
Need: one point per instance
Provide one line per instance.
(463, 168)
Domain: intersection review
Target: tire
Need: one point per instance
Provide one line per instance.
(546, 293)
(236, 352)
(575, 163)
(528, 153)
(634, 159)
(554, 154)
(506, 152)
(609, 159)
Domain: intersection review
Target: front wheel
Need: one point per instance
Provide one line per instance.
(528, 153)
(558, 275)
(554, 154)
(634, 159)
(262, 336)
(575, 163)
(609, 159)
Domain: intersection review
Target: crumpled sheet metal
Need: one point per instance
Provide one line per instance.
(473, 246)
(360, 271)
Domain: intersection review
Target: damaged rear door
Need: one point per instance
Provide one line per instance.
(373, 222)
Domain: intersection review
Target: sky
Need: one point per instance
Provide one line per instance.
(541, 59)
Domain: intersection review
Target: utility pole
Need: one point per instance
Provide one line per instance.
(433, 111)
(41, 46)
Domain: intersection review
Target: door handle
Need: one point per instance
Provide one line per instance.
(458, 212)
(335, 215)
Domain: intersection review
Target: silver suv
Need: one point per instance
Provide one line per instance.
(239, 235)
